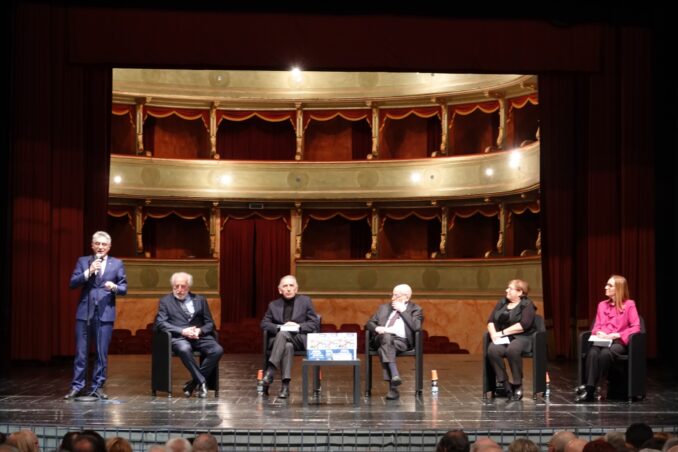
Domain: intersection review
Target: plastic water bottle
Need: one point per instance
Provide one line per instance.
(260, 382)
(434, 382)
(547, 391)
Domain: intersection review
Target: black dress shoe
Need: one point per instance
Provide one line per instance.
(585, 396)
(99, 394)
(72, 394)
(202, 390)
(516, 395)
(393, 394)
(580, 389)
(396, 381)
(284, 392)
(189, 387)
(268, 377)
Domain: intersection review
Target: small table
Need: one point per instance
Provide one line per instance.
(306, 363)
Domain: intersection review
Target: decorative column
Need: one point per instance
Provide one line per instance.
(442, 248)
(215, 230)
(376, 145)
(374, 247)
(295, 232)
(138, 226)
(444, 125)
(299, 129)
(139, 124)
(213, 131)
(502, 233)
(501, 136)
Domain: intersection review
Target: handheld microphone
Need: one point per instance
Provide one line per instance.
(99, 257)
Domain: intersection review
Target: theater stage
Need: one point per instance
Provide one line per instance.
(31, 397)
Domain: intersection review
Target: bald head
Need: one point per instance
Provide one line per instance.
(559, 440)
(485, 444)
(575, 445)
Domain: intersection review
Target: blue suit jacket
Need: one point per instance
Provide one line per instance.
(93, 289)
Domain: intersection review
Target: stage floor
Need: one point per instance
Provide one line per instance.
(32, 396)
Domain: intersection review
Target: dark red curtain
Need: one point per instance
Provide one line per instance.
(597, 186)
(255, 254)
(256, 139)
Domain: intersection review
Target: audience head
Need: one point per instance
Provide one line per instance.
(485, 444)
(178, 445)
(24, 440)
(205, 443)
(617, 440)
(599, 445)
(559, 440)
(6, 447)
(67, 441)
(157, 448)
(118, 444)
(522, 445)
(89, 441)
(670, 443)
(575, 445)
(655, 443)
(638, 433)
(453, 440)
(3, 438)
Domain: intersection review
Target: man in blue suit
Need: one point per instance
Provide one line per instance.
(288, 318)
(101, 278)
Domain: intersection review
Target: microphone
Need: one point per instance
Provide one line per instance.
(100, 258)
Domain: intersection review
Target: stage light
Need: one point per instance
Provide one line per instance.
(489, 172)
(415, 178)
(226, 179)
(117, 179)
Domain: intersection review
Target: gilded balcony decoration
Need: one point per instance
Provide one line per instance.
(473, 176)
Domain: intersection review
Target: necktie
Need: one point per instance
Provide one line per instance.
(393, 319)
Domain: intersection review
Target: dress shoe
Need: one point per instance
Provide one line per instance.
(268, 377)
(99, 394)
(516, 395)
(393, 394)
(72, 394)
(202, 390)
(580, 389)
(587, 395)
(396, 381)
(189, 387)
(284, 392)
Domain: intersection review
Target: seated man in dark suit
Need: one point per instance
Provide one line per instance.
(291, 312)
(393, 327)
(188, 318)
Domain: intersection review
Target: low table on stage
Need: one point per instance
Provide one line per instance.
(306, 363)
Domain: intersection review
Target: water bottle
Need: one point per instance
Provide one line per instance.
(434, 382)
(260, 382)
(547, 391)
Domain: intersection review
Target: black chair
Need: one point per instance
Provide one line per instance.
(539, 360)
(266, 352)
(626, 378)
(161, 364)
(417, 352)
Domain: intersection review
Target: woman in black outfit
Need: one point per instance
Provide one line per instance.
(512, 319)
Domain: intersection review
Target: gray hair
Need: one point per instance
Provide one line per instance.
(188, 277)
(178, 445)
(101, 235)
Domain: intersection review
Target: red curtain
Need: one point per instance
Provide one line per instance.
(255, 254)
(256, 139)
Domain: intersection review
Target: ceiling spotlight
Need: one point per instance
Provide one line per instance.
(296, 74)
(415, 178)
(117, 179)
(226, 179)
(489, 172)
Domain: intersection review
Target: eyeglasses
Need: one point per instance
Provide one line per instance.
(101, 244)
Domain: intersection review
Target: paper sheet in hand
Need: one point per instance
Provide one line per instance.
(600, 342)
(501, 341)
(290, 328)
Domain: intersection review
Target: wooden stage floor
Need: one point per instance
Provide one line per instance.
(31, 396)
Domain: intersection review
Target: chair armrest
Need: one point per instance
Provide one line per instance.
(418, 343)
(368, 338)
